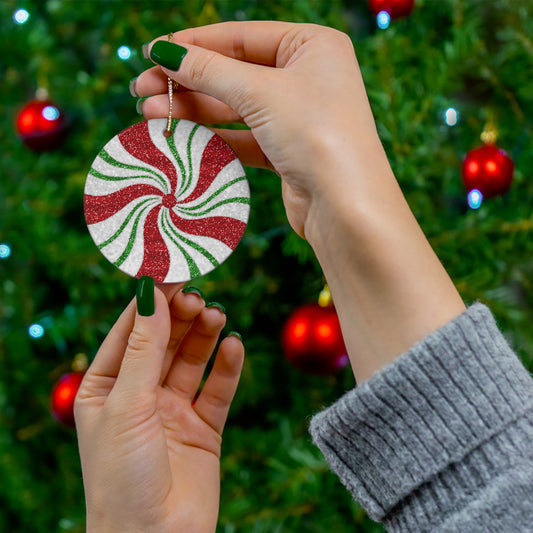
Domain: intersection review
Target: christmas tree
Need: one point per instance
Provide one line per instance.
(436, 78)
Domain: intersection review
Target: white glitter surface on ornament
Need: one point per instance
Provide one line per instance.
(170, 208)
(125, 158)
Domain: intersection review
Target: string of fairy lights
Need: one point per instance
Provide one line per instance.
(21, 16)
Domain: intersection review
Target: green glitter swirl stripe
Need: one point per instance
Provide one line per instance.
(236, 200)
(112, 161)
(125, 223)
(99, 175)
(188, 180)
(214, 195)
(189, 156)
(131, 240)
(194, 271)
(172, 146)
(189, 144)
(192, 244)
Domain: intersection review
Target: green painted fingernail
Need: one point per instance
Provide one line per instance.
(139, 105)
(133, 92)
(220, 307)
(193, 290)
(235, 334)
(167, 54)
(145, 296)
(145, 50)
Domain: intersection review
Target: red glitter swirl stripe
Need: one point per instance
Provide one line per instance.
(98, 208)
(225, 229)
(217, 154)
(156, 260)
(137, 141)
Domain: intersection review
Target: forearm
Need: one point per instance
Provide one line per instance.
(388, 285)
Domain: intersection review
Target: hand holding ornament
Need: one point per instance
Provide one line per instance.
(296, 86)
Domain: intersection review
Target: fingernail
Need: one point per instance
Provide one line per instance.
(145, 50)
(139, 105)
(220, 307)
(193, 290)
(167, 54)
(145, 296)
(235, 334)
(133, 92)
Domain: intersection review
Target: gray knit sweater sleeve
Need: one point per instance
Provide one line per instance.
(440, 440)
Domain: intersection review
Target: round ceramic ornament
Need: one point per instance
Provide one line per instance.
(172, 208)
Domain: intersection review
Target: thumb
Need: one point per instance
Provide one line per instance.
(140, 370)
(229, 80)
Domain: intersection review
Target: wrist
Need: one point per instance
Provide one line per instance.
(351, 193)
(389, 288)
(101, 519)
(107, 527)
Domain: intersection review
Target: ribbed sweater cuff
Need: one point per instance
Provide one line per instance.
(423, 427)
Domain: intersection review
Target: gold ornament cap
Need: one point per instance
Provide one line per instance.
(80, 362)
(324, 298)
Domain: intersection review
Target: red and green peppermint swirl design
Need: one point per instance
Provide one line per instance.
(170, 208)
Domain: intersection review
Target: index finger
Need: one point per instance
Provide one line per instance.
(252, 41)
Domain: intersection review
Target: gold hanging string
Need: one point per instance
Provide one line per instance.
(172, 86)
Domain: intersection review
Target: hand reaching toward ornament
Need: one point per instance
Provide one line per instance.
(150, 451)
(299, 89)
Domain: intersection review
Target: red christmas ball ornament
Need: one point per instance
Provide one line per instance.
(41, 125)
(63, 396)
(488, 169)
(312, 340)
(395, 8)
